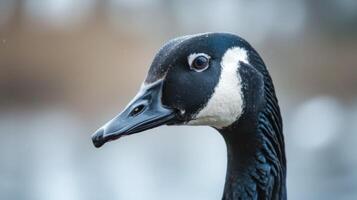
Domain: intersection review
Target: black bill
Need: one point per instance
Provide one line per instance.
(145, 111)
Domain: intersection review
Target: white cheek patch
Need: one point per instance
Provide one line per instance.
(226, 103)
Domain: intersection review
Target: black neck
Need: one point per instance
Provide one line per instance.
(256, 166)
(256, 158)
(255, 143)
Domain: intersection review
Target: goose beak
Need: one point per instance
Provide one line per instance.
(144, 112)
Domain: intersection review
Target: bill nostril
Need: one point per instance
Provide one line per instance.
(137, 110)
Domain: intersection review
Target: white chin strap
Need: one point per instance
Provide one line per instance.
(226, 103)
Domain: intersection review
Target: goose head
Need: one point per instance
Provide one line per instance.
(216, 80)
(204, 79)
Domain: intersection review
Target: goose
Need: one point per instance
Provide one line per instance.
(216, 80)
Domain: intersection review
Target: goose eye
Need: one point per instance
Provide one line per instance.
(199, 62)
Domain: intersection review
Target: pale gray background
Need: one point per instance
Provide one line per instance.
(66, 67)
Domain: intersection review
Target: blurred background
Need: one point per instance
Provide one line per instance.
(67, 67)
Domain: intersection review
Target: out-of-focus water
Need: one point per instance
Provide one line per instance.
(67, 67)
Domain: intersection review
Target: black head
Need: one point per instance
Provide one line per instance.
(204, 79)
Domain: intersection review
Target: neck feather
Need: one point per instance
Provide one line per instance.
(256, 156)
(256, 165)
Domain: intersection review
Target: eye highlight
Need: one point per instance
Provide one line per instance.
(198, 61)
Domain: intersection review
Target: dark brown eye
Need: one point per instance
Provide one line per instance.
(200, 63)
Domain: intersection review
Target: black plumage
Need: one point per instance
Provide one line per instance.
(174, 94)
(255, 144)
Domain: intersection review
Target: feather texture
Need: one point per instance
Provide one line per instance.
(255, 145)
